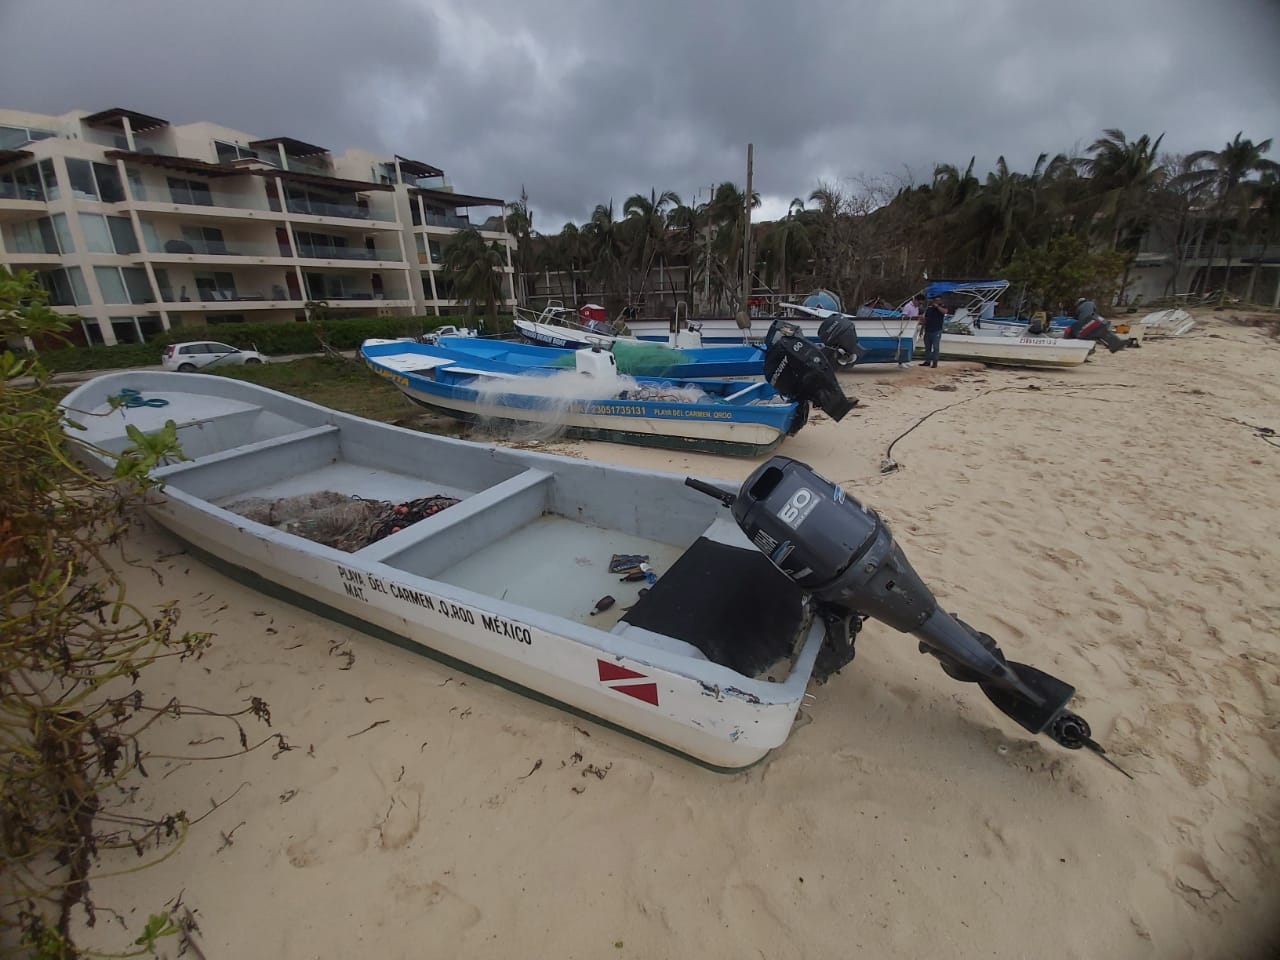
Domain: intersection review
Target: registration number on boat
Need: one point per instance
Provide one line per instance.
(619, 409)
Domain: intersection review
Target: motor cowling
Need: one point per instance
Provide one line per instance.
(798, 369)
(839, 334)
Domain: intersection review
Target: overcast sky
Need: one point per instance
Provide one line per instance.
(581, 101)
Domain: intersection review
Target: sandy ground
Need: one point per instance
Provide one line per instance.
(1116, 525)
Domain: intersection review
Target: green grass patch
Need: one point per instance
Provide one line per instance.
(345, 385)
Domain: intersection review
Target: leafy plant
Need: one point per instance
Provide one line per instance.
(74, 648)
(1065, 268)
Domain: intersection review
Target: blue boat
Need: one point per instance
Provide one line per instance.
(592, 401)
(642, 359)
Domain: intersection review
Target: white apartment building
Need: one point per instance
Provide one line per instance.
(137, 225)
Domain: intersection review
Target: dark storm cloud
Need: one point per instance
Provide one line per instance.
(583, 102)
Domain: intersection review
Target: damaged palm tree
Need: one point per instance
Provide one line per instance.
(72, 712)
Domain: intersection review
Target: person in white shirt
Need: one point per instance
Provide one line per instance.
(912, 307)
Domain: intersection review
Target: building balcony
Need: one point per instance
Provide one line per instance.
(318, 212)
(19, 259)
(351, 257)
(230, 298)
(451, 221)
(227, 207)
(225, 251)
(15, 209)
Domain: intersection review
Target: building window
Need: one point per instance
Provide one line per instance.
(11, 138)
(212, 287)
(230, 152)
(206, 240)
(190, 191)
(45, 235)
(124, 284)
(109, 187)
(65, 286)
(321, 245)
(108, 234)
(80, 176)
(36, 181)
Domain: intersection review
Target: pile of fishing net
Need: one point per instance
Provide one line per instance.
(336, 520)
(665, 393)
(640, 359)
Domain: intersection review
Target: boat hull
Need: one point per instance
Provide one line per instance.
(687, 364)
(735, 429)
(885, 339)
(250, 442)
(1032, 352)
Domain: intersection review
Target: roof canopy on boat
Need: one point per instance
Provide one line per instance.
(939, 287)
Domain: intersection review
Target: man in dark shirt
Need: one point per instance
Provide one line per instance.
(933, 320)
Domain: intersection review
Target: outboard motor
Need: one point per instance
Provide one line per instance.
(843, 555)
(839, 335)
(799, 370)
(1095, 329)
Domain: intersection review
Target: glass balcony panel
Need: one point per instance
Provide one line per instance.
(217, 248)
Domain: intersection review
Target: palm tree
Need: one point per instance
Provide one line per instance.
(1123, 176)
(603, 242)
(520, 225)
(647, 218)
(787, 243)
(1225, 174)
(727, 214)
(476, 268)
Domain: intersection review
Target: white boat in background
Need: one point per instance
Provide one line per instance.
(884, 338)
(1173, 322)
(1012, 351)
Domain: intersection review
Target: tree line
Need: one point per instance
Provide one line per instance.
(1087, 216)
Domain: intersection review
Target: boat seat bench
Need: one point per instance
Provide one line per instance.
(217, 476)
(436, 543)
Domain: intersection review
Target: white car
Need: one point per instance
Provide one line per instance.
(201, 354)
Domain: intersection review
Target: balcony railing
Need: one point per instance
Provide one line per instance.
(346, 296)
(10, 191)
(1219, 251)
(312, 252)
(211, 199)
(448, 220)
(229, 295)
(318, 208)
(219, 248)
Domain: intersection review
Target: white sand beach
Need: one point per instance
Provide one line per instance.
(1116, 524)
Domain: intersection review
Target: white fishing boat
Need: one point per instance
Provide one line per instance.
(558, 326)
(631, 596)
(1013, 351)
(507, 580)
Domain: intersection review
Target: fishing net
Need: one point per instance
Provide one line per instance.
(336, 520)
(638, 359)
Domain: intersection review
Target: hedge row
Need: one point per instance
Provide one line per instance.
(272, 339)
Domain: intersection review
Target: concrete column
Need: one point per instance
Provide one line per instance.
(142, 241)
(293, 241)
(97, 305)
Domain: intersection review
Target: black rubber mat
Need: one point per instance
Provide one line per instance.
(729, 602)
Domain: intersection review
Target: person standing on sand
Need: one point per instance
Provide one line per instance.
(934, 317)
